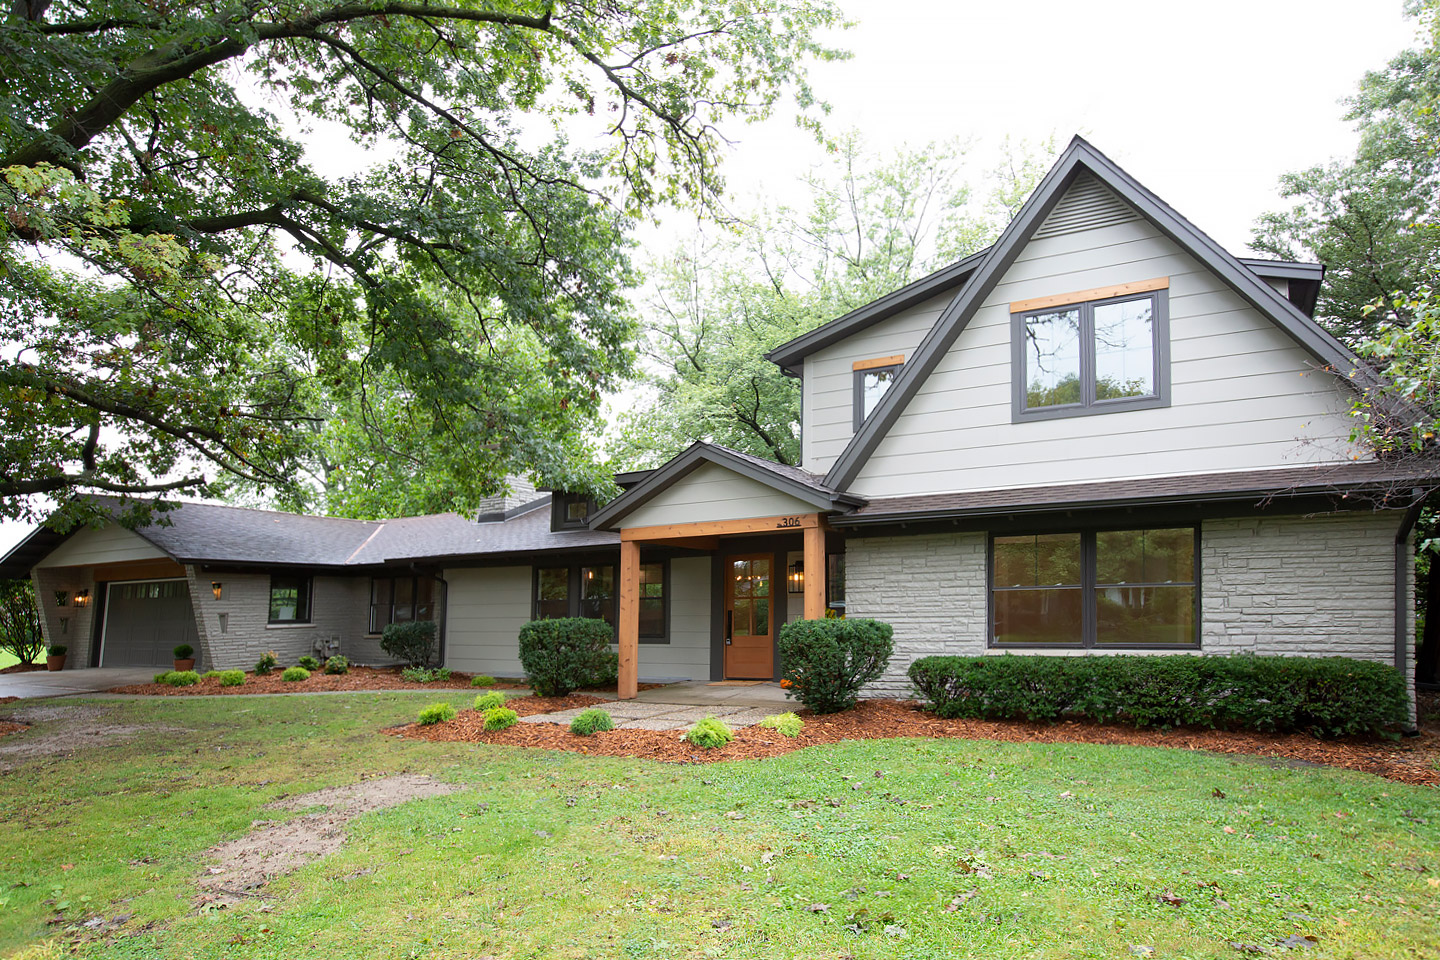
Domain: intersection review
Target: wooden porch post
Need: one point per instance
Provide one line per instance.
(629, 619)
(814, 572)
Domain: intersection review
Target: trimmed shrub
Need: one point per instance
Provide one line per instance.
(1326, 696)
(56, 650)
(267, 663)
(425, 674)
(232, 678)
(295, 674)
(178, 678)
(482, 680)
(436, 713)
(210, 675)
(591, 721)
(787, 724)
(563, 655)
(709, 734)
(336, 665)
(500, 718)
(183, 652)
(412, 642)
(826, 662)
(488, 701)
(309, 663)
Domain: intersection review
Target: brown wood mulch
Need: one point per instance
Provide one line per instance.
(24, 668)
(358, 679)
(7, 727)
(1411, 760)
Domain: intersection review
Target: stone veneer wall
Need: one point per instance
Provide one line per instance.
(522, 491)
(1296, 585)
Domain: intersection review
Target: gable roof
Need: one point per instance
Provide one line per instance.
(1079, 157)
(793, 481)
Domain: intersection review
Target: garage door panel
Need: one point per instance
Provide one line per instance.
(145, 621)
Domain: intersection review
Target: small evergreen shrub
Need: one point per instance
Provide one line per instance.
(826, 662)
(787, 724)
(436, 713)
(266, 664)
(183, 652)
(425, 674)
(56, 650)
(488, 701)
(210, 675)
(1326, 696)
(563, 655)
(500, 718)
(336, 665)
(591, 721)
(295, 674)
(232, 678)
(709, 734)
(412, 643)
(309, 663)
(482, 680)
(178, 678)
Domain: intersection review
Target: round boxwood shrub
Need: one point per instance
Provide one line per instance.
(232, 678)
(482, 680)
(178, 678)
(183, 652)
(826, 662)
(436, 713)
(488, 701)
(565, 654)
(500, 718)
(709, 734)
(210, 675)
(309, 663)
(337, 665)
(412, 642)
(591, 721)
(295, 674)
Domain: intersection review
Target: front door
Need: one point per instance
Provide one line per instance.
(749, 618)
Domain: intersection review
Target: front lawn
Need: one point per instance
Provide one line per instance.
(893, 848)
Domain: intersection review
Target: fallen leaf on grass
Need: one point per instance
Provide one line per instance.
(818, 908)
(1170, 897)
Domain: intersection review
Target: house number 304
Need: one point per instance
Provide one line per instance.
(788, 522)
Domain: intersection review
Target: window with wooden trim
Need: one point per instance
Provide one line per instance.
(872, 380)
(289, 598)
(1103, 354)
(1107, 588)
(400, 600)
(590, 590)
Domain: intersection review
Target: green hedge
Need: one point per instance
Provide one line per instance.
(566, 654)
(826, 662)
(1327, 696)
(411, 642)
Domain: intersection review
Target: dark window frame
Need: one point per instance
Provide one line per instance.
(1088, 584)
(1089, 405)
(857, 388)
(573, 585)
(307, 592)
(370, 623)
(560, 510)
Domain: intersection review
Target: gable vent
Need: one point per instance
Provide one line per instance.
(1088, 204)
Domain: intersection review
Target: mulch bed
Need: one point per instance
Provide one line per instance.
(358, 679)
(1411, 760)
(24, 668)
(7, 727)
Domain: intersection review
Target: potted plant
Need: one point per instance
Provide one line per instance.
(184, 657)
(55, 657)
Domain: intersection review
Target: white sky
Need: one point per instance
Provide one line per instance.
(1206, 104)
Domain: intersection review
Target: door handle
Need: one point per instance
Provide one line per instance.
(729, 625)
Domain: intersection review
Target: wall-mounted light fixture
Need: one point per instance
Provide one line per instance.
(82, 598)
(217, 588)
(62, 597)
(796, 577)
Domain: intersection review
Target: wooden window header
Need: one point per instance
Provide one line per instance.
(1080, 296)
(878, 362)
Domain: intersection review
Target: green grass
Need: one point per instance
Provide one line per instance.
(1043, 850)
(8, 659)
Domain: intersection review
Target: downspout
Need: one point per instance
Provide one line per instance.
(444, 606)
(1404, 597)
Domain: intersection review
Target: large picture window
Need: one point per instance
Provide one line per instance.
(1112, 588)
(590, 591)
(1094, 356)
(400, 600)
(289, 599)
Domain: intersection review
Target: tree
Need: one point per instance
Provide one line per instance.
(187, 295)
(870, 225)
(20, 634)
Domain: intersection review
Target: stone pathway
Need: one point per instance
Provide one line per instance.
(640, 715)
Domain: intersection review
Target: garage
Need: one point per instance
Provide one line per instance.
(144, 621)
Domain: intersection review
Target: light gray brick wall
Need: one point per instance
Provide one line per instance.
(76, 632)
(339, 608)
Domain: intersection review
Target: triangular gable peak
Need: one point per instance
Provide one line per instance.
(1083, 193)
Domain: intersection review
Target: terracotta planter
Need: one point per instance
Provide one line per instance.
(55, 663)
(182, 665)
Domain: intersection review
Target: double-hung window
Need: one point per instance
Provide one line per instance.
(1107, 588)
(400, 600)
(591, 591)
(1104, 351)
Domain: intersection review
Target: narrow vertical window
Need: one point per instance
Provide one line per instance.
(552, 593)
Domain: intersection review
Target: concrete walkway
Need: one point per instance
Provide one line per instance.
(679, 706)
(36, 684)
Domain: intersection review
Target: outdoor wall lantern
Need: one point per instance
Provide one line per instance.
(62, 597)
(82, 598)
(217, 588)
(796, 577)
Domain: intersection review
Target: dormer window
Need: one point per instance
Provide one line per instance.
(570, 511)
(872, 381)
(1096, 351)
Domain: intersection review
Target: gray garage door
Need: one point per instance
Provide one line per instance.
(144, 622)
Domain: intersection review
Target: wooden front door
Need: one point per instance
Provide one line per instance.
(749, 618)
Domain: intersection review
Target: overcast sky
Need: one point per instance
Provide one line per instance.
(1206, 104)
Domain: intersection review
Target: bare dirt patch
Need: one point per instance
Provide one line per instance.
(80, 728)
(1412, 760)
(358, 679)
(277, 848)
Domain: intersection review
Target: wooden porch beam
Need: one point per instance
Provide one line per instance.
(814, 573)
(722, 528)
(629, 620)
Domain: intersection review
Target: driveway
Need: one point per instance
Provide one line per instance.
(35, 684)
